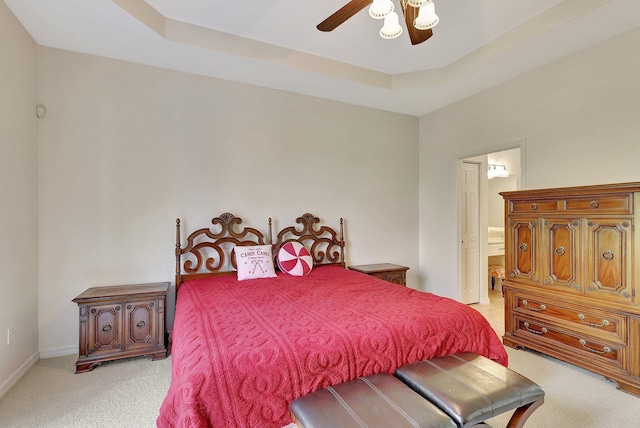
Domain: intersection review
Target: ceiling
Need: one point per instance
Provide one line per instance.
(274, 43)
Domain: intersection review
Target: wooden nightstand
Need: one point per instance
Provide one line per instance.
(387, 271)
(120, 322)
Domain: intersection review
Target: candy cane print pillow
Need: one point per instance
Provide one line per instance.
(294, 259)
(254, 262)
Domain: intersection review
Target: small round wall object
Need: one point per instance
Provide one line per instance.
(41, 111)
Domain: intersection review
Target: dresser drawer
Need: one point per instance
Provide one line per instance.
(614, 204)
(617, 204)
(575, 345)
(532, 206)
(592, 321)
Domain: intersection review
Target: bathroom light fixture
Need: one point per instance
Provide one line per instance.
(497, 171)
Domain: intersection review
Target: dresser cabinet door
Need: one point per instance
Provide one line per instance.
(561, 267)
(104, 329)
(521, 262)
(609, 261)
(141, 324)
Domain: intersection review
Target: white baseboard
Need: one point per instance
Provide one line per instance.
(61, 351)
(15, 377)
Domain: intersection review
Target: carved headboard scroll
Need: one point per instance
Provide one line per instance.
(324, 243)
(211, 253)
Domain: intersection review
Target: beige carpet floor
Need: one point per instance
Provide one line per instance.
(125, 393)
(129, 393)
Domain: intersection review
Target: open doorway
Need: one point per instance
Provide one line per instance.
(487, 217)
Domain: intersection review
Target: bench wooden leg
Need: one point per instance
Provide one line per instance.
(521, 414)
(518, 418)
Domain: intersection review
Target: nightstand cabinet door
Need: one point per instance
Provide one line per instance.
(142, 326)
(104, 329)
(399, 278)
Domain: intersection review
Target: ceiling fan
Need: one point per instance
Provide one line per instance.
(419, 16)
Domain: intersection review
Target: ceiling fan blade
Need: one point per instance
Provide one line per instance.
(344, 13)
(416, 36)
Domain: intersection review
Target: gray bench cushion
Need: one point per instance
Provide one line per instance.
(468, 387)
(376, 401)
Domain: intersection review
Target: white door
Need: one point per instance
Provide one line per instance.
(469, 228)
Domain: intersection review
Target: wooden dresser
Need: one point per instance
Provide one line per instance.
(120, 322)
(572, 277)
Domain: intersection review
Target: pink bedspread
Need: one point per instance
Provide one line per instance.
(242, 351)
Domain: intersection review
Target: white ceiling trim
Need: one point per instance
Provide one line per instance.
(195, 35)
(481, 44)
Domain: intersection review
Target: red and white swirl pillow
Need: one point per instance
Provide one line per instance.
(294, 259)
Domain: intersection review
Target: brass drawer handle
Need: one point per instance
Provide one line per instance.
(534, 207)
(523, 247)
(594, 204)
(560, 251)
(604, 322)
(543, 331)
(106, 327)
(605, 350)
(526, 305)
(607, 255)
(140, 324)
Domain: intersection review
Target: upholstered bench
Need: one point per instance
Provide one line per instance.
(470, 388)
(376, 401)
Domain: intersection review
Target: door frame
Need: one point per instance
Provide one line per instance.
(481, 158)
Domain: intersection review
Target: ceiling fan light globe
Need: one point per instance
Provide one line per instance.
(380, 8)
(427, 17)
(391, 28)
(418, 3)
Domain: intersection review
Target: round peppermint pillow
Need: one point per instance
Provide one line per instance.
(294, 259)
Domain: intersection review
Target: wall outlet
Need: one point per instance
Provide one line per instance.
(9, 336)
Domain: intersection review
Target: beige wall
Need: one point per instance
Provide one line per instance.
(125, 149)
(579, 118)
(19, 196)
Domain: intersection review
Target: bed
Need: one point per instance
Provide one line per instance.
(243, 350)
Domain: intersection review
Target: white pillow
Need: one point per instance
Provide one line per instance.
(254, 262)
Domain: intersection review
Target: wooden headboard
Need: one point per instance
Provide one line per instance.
(323, 242)
(209, 253)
